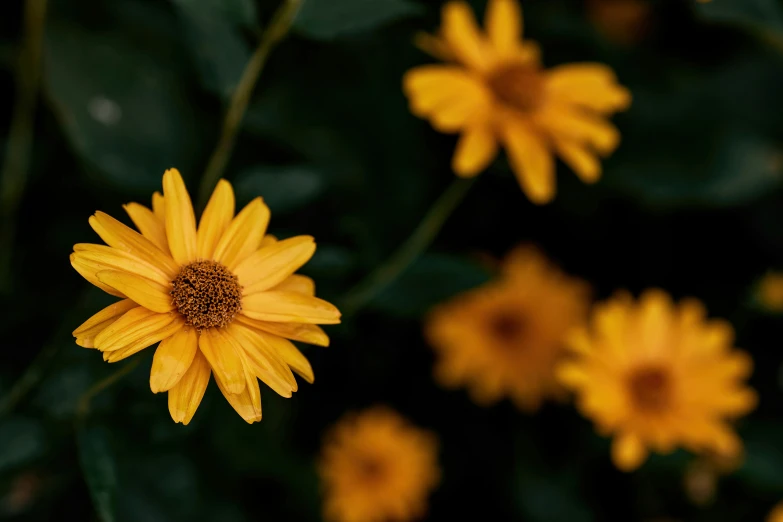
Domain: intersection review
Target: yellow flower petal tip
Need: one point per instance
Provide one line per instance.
(506, 338)
(375, 465)
(493, 91)
(657, 375)
(182, 285)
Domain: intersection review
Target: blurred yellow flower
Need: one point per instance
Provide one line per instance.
(624, 22)
(769, 292)
(506, 337)
(776, 515)
(494, 91)
(376, 466)
(656, 375)
(221, 298)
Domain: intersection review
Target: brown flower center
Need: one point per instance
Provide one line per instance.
(370, 470)
(517, 86)
(650, 389)
(207, 294)
(508, 328)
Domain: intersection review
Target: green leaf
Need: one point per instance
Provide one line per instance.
(284, 188)
(232, 11)
(432, 279)
(762, 469)
(121, 96)
(765, 16)
(329, 19)
(99, 468)
(21, 440)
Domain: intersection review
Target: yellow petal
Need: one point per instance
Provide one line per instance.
(628, 452)
(450, 97)
(297, 283)
(291, 355)
(149, 294)
(137, 323)
(244, 235)
(148, 224)
(531, 160)
(101, 257)
(306, 333)
(117, 235)
(159, 207)
(186, 395)
(86, 332)
(268, 240)
(476, 149)
(289, 307)
(567, 123)
(503, 20)
(180, 219)
(463, 35)
(590, 85)
(247, 403)
(272, 265)
(172, 359)
(264, 363)
(226, 363)
(87, 271)
(139, 344)
(215, 220)
(580, 159)
(435, 46)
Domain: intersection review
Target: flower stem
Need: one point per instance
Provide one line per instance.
(83, 406)
(278, 27)
(413, 247)
(13, 175)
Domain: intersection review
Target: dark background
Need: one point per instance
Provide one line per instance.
(691, 202)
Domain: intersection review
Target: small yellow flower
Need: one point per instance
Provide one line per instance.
(221, 298)
(506, 337)
(376, 466)
(776, 515)
(494, 91)
(770, 292)
(657, 375)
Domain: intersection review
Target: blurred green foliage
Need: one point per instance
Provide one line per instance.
(691, 202)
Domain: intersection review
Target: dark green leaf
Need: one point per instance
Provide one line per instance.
(284, 188)
(762, 469)
(21, 440)
(757, 15)
(98, 465)
(327, 19)
(233, 11)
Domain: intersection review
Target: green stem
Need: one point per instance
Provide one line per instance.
(13, 175)
(413, 247)
(83, 406)
(278, 28)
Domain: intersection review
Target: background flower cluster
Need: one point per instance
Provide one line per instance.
(689, 202)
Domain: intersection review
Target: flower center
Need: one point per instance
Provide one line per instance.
(508, 328)
(517, 86)
(207, 294)
(370, 470)
(650, 389)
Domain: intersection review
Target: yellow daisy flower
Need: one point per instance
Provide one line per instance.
(657, 375)
(221, 298)
(769, 292)
(376, 466)
(506, 337)
(776, 515)
(494, 91)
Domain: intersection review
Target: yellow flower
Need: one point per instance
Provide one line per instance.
(776, 515)
(494, 91)
(376, 467)
(770, 292)
(506, 337)
(221, 298)
(657, 375)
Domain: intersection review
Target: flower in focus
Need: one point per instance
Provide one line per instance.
(221, 298)
(656, 375)
(623, 22)
(776, 515)
(769, 292)
(504, 339)
(376, 466)
(494, 91)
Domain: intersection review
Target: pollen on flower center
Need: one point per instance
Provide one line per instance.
(517, 86)
(207, 294)
(650, 389)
